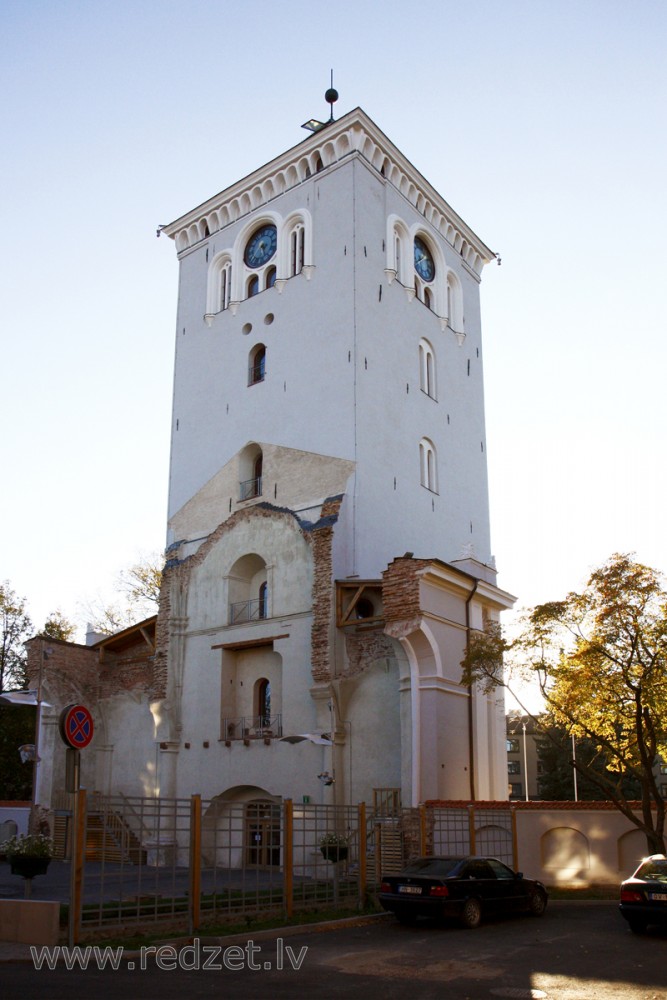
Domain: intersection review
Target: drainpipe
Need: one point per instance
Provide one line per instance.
(471, 738)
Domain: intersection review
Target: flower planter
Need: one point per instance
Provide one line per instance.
(334, 853)
(27, 866)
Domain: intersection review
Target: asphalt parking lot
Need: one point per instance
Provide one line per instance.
(577, 951)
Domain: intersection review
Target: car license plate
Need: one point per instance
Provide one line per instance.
(660, 896)
(414, 889)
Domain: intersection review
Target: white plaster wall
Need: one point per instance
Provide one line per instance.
(598, 846)
(369, 703)
(340, 362)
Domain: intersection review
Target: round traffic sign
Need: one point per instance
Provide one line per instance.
(76, 726)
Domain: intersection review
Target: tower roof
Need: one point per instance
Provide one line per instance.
(355, 134)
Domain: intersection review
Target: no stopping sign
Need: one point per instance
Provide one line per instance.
(76, 726)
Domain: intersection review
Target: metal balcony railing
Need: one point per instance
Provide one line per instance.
(252, 727)
(256, 372)
(248, 611)
(250, 488)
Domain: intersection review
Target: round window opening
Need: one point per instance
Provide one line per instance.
(247, 327)
(364, 608)
(269, 318)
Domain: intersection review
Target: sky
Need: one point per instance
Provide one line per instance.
(542, 123)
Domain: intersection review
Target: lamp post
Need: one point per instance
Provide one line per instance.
(44, 655)
(525, 758)
(574, 768)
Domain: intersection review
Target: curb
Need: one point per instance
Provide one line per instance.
(18, 952)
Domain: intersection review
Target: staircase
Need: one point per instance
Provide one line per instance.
(109, 838)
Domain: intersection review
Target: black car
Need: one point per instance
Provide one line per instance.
(460, 887)
(644, 894)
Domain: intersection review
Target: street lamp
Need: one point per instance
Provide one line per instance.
(525, 758)
(44, 655)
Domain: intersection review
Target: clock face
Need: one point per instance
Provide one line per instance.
(261, 246)
(424, 265)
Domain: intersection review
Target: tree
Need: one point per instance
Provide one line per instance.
(139, 586)
(600, 658)
(17, 727)
(556, 781)
(15, 628)
(58, 627)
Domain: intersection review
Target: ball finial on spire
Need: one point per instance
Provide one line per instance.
(331, 95)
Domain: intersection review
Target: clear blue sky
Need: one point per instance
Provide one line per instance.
(542, 124)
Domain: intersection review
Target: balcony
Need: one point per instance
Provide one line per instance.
(252, 727)
(248, 611)
(250, 489)
(257, 372)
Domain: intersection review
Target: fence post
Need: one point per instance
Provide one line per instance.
(361, 820)
(288, 857)
(515, 840)
(422, 830)
(471, 828)
(194, 908)
(76, 870)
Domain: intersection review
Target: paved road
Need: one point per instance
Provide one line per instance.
(578, 951)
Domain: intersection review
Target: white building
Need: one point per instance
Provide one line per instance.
(328, 536)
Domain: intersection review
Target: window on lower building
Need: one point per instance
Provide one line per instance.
(264, 600)
(250, 467)
(257, 365)
(512, 746)
(516, 790)
(264, 701)
(514, 767)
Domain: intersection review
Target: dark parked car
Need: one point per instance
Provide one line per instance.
(644, 894)
(461, 887)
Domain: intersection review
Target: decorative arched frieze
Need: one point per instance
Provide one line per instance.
(338, 140)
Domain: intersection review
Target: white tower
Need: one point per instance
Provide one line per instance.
(328, 417)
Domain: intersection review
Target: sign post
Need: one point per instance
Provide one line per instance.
(76, 731)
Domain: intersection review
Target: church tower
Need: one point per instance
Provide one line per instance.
(328, 537)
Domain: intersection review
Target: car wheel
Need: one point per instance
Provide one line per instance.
(471, 914)
(637, 926)
(408, 919)
(537, 903)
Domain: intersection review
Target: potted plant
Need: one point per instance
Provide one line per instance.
(28, 855)
(333, 847)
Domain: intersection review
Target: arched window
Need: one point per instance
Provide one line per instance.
(271, 277)
(244, 584)
(263, 704)
(257, 365)
(250, 469)
(264, 600)
(397, 257)
(454, 303)
(225, 285)
(427, 369)
(297, 249)
(219, 284)
(253, 286)
(257, 469)
(428, 465)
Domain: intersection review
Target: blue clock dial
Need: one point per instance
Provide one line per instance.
(424, 264)
(261, 246)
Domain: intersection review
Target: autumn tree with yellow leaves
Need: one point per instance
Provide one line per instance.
(600, 659)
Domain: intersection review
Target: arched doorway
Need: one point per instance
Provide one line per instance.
(262, 834)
